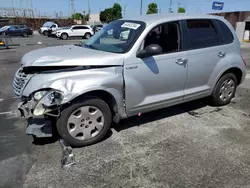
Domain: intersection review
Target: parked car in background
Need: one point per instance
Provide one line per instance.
(85, 88)
(124, 34)
(16, 30)
(75, 31)
(97, 27)
(48, 28)
(53, 33)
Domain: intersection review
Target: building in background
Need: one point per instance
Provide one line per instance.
(94, 19)
(240, 20)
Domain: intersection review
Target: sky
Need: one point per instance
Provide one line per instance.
(49, 7)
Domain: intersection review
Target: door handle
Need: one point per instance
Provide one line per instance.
(221, 54)
(181, 61)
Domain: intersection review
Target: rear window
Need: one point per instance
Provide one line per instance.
(202, 34)
(226, 34)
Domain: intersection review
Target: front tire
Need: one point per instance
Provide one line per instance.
(25, 35)
(84, 123)
(224, 90)
(64, 36)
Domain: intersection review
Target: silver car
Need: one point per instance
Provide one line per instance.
(164, 61)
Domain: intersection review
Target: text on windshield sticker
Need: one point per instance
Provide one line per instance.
(131, 25)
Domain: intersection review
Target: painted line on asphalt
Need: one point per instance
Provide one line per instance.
(247, 76)
(8, 112)
(2, 99)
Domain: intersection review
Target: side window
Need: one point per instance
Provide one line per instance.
(226, 34)
(53, 26)
(11, 28)
(16, 27)
(75, 28)
(165, 35)
(202, 34)
(83, 27)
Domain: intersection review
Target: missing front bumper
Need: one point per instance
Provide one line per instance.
(39, 127)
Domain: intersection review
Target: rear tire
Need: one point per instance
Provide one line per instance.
(46, 33)
(87, 35)
(85, 123)
(224, 90)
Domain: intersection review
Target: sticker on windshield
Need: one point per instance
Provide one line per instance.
(131, 25)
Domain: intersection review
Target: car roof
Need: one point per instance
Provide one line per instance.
(80, 25)
(151, 18)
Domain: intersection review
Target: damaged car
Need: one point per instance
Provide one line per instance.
(79, 90)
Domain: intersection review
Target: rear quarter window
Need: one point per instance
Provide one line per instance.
(226, 34)
(202, 34)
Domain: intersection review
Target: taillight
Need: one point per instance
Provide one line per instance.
(244, 61)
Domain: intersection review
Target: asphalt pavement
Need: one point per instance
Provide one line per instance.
(190, 145)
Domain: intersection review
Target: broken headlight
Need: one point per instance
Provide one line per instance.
(47, 101)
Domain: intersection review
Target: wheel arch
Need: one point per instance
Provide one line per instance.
(102, 94)
(64, 34)
(236, 71)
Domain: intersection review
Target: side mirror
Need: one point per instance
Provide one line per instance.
(151, 50)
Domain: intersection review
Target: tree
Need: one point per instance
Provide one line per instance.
(103, 16)
(106, 15)
(110, 14)
(152, 8)
(117, 11)
(181, 10)
(77, 16)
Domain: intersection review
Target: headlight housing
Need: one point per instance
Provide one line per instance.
(47, 101)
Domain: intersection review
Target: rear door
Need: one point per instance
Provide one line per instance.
(82, 31)
(205, 52)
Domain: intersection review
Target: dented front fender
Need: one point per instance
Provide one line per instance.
(76, 83)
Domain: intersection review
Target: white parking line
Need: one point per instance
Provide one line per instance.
(9, 112)
(247, 76)
(9, 98)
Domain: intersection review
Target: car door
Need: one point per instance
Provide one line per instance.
(53, 27)
(11, 31)
(157, 81)
(204, 54)
(82, 31)
(74, 31)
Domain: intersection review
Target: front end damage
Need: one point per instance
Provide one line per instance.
(38, 109)
(44, 90)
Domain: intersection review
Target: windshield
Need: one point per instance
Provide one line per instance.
(117, 37)
(4, 28)
(48, 24)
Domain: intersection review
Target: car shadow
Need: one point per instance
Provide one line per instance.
(136, 120)
(160, 114)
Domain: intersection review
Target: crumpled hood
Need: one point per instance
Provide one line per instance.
(70, 55)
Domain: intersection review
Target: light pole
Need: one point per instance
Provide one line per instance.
(141, 8)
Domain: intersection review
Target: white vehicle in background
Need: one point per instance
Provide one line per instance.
(124, 35)
(75, 31)
(48, 28)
